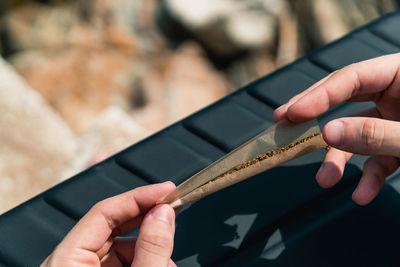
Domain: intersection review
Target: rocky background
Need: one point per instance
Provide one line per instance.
(82, 79)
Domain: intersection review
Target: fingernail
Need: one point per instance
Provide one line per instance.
(281, 107)
(164, 213)
(334, 133)
(169, 183)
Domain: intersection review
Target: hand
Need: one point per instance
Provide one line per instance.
(93, 241)
(375, 133)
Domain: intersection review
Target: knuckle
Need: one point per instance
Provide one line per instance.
(156, 244)
(372, 135)
(352, 75)
(100, 205)
(347, 70)
(99, 209)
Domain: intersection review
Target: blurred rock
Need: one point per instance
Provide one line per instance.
(79, 82)
(5, 5)
(36, 143)
(364, 11)
(329, 20)
(37, 26)
(79, 68)
(226, 27)
(191, 82)
(112, 131)
(250, 68)
(288, 40)
(322, 21)
(182, 84)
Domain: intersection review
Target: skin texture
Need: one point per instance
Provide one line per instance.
(375, 132)
(94, 242)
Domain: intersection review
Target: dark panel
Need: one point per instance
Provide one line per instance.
(236, 217)
(345, 110)
(198, 144)
(253, 104)
(30, 233)
(278, 88)
(76, 196)
(344, 52)
(227, 124)
(118, 174)
(337, 232)
(306, 66)
(367, 37)
(162, 158)
(388, 28)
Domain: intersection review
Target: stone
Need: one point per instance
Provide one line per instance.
(288, 41)
(191, 82)
(181, 84)
(329, 20)
(227, 27)
(80, 67)
(112, 131)
(82, 79)
(37, 26)
(36, 144)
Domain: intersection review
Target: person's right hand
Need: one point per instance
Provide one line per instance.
(376, 133)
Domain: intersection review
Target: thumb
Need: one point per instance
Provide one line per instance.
(366, 136)
(156, 238)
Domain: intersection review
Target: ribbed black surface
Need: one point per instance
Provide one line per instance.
(278, 218)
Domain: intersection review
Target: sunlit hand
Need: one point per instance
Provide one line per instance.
(375, 133)
(93, 242)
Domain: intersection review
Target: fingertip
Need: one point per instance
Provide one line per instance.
(360, 199)
(171, 263)
(280, 113)
(163, 212)
(328, 175)
(367, 189)
(169, 184)
(333, 133)
(295, 113)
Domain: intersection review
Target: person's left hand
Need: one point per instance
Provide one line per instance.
(94, 242)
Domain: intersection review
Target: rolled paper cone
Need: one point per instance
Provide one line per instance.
(256, 166)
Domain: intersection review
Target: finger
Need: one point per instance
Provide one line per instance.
(131, 224)
(366, 136)
(95, 228)
(376, 169)
(121, 252)
(332, 168)
(363, 78)
(280, 112)
(171, 263)
(155, 241)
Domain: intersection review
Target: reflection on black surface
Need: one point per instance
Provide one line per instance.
(271, 199)
(353, 236)
(317, 227)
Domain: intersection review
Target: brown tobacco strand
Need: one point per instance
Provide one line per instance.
(268, 155)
